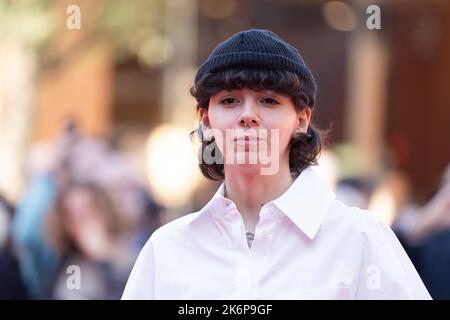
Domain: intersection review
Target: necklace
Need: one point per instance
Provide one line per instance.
(250, 237)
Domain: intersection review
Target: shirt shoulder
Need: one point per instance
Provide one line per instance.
(355, 221)
(173, 227)
(383, 258)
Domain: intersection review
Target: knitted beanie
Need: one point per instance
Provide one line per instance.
(259, 49)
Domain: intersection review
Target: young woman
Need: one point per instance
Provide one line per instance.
(86, 231)
(273, 230)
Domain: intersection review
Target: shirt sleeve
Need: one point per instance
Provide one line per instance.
(141, 283)
(386, 270)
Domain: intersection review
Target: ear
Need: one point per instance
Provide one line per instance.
(304, 119)
(204, 121)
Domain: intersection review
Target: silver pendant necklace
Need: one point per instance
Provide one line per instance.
(250, 235)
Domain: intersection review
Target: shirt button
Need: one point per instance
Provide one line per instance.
(266, 235)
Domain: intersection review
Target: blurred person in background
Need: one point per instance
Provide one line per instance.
(354, 191)
(11, 282)
(424, 231)
(86, 231)
(36, 257)
(89, 160)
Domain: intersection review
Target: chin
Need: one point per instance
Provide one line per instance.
(247, 169)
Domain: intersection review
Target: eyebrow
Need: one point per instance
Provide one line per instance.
(263, 91)
(222, 93)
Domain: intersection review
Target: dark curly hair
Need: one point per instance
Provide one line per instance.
(304, 148)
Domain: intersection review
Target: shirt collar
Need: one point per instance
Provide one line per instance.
(305, 203)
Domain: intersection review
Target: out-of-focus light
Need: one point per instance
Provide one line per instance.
(339, 15)
(172, 165)
(155, 50)
(383, 205)
(328, 168)
(218, 9)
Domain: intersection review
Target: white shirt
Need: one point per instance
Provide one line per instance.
(307, 245)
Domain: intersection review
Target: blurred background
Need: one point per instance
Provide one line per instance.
(95, 113)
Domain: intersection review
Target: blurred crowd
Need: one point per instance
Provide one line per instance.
(423, 228)
(79, 224)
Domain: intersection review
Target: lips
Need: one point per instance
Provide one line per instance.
(247, 142)
(247, 138)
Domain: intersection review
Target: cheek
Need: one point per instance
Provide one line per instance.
(285, 131)
(219, 122)
(220, 119)
(284, 139)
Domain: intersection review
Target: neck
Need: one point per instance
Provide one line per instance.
(250, 191)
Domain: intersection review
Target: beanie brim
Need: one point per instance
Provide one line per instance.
(259, 49)
(260, 61)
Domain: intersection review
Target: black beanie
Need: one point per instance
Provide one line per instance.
(261, 49)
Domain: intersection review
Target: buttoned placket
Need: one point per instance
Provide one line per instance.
(249, 262)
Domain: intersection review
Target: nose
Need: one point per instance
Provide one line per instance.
(249, 116)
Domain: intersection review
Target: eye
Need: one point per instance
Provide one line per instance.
(270, 101)
(228, 101)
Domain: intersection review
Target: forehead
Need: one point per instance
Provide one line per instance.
(247, 91)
